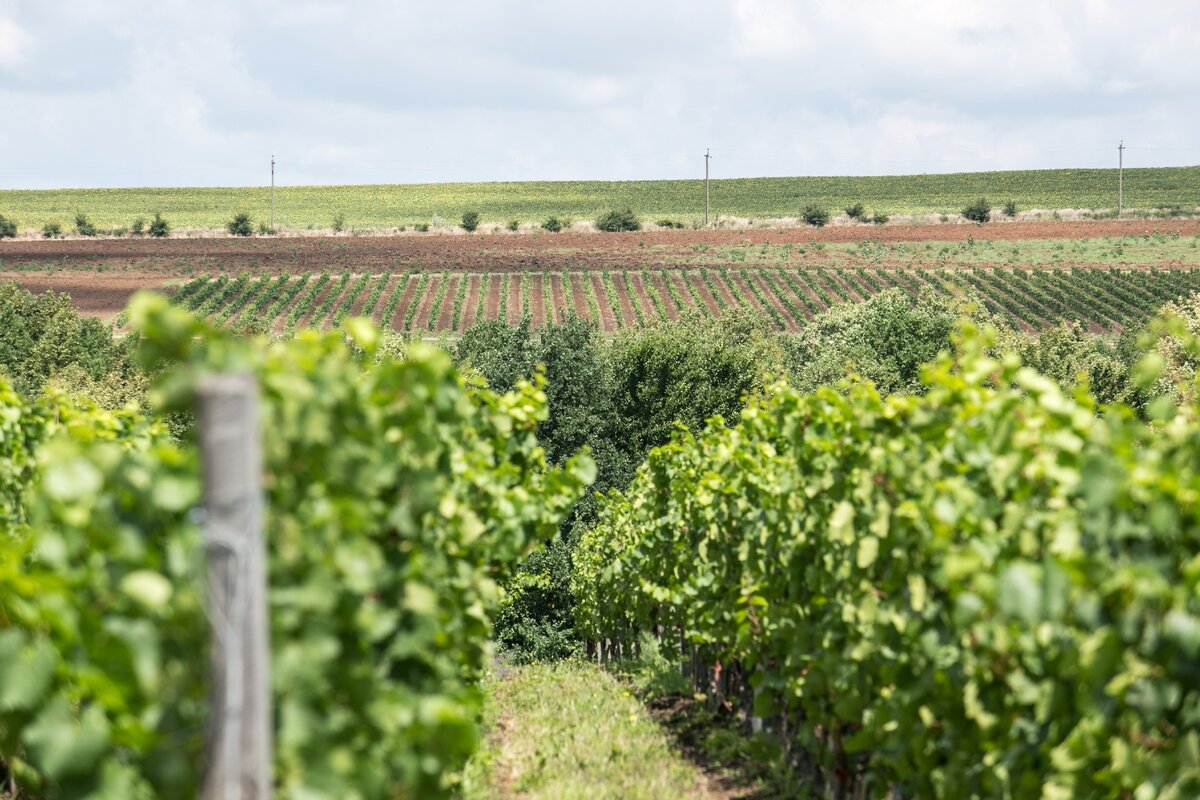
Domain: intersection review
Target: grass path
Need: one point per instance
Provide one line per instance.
(570, 731)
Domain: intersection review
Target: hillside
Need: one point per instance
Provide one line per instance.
(386, 206)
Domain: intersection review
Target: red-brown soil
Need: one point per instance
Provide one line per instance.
(471, 303)
(608, 317)
(514, 299)
(446, 317)
(660, 283)
(579, 297)
(406, 300)
(101, 275)
(500, 252)
(492, 306)
(709, 301)
(558, 300)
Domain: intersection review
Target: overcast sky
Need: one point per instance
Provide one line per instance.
(202, 92)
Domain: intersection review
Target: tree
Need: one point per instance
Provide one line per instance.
(159, 227)
(815, 215)
(623, 220)
(980, 211)
(41, 334)
(470, 221)
(240, 225)
(885, 339)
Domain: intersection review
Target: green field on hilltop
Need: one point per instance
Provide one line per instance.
(386, 206)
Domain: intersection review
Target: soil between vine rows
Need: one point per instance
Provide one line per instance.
(101, 275)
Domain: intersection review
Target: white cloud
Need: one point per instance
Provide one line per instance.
(14, 43)
(375, 90)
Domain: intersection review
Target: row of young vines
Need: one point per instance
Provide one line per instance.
(397, 497)
(1108, 299)
(987, 591)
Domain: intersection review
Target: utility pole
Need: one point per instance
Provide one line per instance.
(272, 191)
(1120, 177)
(707, 157)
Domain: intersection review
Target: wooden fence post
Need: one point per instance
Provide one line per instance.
(238, 765)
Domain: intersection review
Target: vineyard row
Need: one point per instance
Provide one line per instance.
(451, 302)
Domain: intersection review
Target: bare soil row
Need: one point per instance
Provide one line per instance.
(484, 252)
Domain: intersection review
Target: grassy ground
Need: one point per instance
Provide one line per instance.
(393, 205)
(1158, 250)
(571, 731)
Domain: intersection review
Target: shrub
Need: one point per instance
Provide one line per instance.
(240, 225)
(554, 224)
(513, 225)
(815, 215)
(856, 212)
(669, 223)
(880, 218)
(138, 227)
(159, 227)
(8, 228)
(83, 226)
(980, 211)
(51, 230)
(1010, 209)
(339, 222)
(422, 227)
(265, 230)
(470, 221)
(623, 220)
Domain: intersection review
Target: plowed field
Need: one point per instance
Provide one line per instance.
(1105, 274)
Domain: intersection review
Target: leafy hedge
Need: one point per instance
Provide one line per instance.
(398, 496)
(989, 590)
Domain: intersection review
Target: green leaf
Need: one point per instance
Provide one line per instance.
(26, 670)
(1019, 592)
(151, 589)
(62, 745)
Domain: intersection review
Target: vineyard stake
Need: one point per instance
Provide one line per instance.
(239, 732)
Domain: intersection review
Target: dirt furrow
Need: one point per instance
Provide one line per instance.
(537, 300)
(786, 288)
(359, 308)
(790, 324)
(724, 291)
(308, 319)
(421, 320)
(401, 313)
(837, 287)
(714, 308)
(639, 294)
(491, 309)
(514, 298)
(608, 317)
(681, 283)
(471, 303)
(659, 281)
(579, 296)
(446, 316)
(628, 317)
(558, 300)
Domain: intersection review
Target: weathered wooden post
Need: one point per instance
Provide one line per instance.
(239, 735)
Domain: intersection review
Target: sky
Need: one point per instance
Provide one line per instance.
(100, 93)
